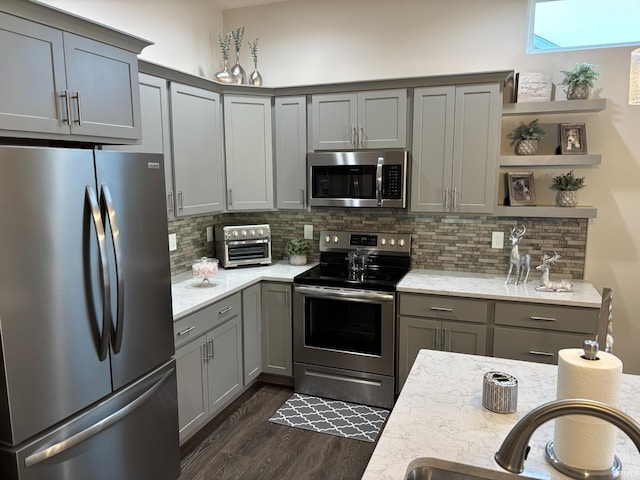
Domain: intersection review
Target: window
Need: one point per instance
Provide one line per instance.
(580, 24)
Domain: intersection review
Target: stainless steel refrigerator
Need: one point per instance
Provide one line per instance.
(87, 380)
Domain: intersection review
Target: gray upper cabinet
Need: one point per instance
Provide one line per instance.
(249, 152)
(71, 87)
(156, 132)
(198, 160)
(455, 148)
(372, 119)
(291, 152)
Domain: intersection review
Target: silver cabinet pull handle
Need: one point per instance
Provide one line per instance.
(211, 353)
(446, 198)
(361, 136)
(67, 101)
(186, 330)
(455, 198)
(205, 353)
(441, 309)
(96, 428)
(354, 135)
(304, 197)
(180, 200)
(286, 298)
(436, 340)
(170, 202)
(77, 97)
(541, 354)
(230, 197)
(225, 310)
(542, 319)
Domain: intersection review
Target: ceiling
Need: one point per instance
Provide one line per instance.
(228, 4)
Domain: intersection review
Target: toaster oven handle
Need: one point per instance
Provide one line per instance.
(379, 181)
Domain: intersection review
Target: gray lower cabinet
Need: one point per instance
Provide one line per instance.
(277, 347)
(535, 332)
(439, 323)
(456, 131)
(198, 158)
(208, 362)
(252, 332)
(59, 85)
(291, 152)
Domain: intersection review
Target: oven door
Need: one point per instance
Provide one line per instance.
(344, 328)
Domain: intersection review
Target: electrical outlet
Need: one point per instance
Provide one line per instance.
(308, 232)
(209, 234)
(173, 242)
(497, 239)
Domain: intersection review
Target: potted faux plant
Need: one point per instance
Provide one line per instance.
(297, 250)
(579, 81)
(525, 137)
(567, 185)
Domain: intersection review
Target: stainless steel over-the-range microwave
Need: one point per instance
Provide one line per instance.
(358, 179)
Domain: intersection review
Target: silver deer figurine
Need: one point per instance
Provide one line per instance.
(522, 261)
(548, 285)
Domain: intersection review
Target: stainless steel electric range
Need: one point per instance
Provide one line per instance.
(344, 314)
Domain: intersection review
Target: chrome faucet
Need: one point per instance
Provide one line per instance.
(515, 447)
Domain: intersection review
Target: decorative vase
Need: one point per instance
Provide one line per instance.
(578, 92)
(238, 71)
(225, 76)
(565, 198)
(527, 147)
(298, 259)
(255, 78)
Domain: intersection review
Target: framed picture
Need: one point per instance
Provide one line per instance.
(573, 138)
(521, 188)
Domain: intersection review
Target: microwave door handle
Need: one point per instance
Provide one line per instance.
(379, 181)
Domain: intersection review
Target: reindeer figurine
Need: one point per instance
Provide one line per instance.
(519, 260)
(547, 285)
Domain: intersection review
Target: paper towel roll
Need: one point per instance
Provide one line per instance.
(580, 441)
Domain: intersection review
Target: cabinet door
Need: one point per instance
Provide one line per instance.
(196, 121)
(334, 121)
(154, 108)
(476, 145)
(224, 370)
(31, 91)
(432, 162)
(464, 338)
(382, 119)
(249, 152)
(191, 369)
(414, 334)
(103, 82)
(251, 332)
(277, 349)
(291, 152)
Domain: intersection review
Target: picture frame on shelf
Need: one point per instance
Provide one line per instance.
(521, 188)
(573, 139)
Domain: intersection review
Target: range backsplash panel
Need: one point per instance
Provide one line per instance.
(455, 243)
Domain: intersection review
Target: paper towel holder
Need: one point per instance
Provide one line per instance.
(590, 348)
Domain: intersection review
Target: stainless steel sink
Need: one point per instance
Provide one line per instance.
(437, 469)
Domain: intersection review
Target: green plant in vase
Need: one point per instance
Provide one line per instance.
(237, 70)
(297, 250)
(225, 76)
(525, 137)
(579, 81)
(567, 185)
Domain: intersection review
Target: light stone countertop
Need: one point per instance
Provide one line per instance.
(439, 414)
(477, 285)
(188, 296)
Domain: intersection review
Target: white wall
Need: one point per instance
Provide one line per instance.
(319, 41)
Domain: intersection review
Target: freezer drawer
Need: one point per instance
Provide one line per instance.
(132, 435)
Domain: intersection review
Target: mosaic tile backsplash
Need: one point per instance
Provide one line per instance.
(454, 243)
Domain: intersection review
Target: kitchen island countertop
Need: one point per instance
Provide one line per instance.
(188, 296)
(478, 285)
(439, 414)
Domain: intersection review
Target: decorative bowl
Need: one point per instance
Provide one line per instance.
(205, 268)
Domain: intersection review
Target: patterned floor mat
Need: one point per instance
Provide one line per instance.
(343, 419)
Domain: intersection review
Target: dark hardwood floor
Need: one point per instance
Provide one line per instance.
(242, 443)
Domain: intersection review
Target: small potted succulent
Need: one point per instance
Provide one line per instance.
(567, 185)
(525, 137)
(297, 250)
(579, 81)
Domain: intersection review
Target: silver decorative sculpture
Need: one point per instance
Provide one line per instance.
(548, 285)
(522, 261)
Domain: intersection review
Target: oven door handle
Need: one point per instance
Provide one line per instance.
(356, 295)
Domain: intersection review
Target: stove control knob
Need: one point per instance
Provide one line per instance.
(253, 233)
(392, 242)
(383, 241)
(261, 232)
(327, 239)
(244, 233)
(401, 242)
(235, 233)
(336, 239)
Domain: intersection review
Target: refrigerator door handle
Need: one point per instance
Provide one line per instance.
(92, 200)
(96, 428)
(107, 203)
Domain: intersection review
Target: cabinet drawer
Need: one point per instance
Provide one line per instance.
(448, 308)
(203, 320)
(533, 345)
(548, 317)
